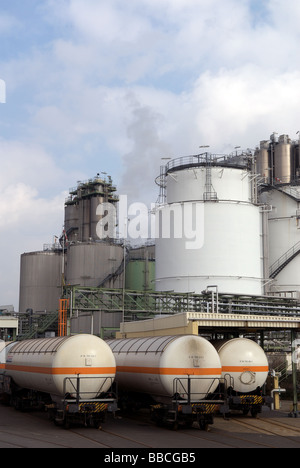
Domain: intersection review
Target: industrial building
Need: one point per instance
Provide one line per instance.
(227, 238)
(9, 323)
(79, 257)
(278, 163)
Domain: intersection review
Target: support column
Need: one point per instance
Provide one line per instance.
(294, 371)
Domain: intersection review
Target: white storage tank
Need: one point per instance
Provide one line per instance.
(44, 364)
(150, 365)
(209, 230)
(284, 239)
(244, 364)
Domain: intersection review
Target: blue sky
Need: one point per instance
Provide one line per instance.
(114, 86)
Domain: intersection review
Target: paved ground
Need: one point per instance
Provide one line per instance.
(33, 430)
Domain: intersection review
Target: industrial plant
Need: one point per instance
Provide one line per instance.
(242, 213)
(224, 262)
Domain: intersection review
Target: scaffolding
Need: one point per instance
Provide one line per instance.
(140, 305)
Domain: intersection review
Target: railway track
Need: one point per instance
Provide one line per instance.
(271, 427)
(261, 433)
(137, 432)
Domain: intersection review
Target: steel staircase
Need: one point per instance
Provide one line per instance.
(32, 327)
(284, 260)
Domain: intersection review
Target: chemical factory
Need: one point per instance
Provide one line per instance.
(203, 315)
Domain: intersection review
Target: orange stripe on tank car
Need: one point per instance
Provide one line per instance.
(245, 368)
(62, 370)
(2, 366)
(169, 370)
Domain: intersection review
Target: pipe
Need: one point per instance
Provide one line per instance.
(276, 390)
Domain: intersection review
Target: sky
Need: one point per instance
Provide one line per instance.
(111, 86)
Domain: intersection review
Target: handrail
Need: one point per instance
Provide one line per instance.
(240, 160)
(182, 388)
(284, 259)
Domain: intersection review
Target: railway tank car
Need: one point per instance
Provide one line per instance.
(178, 372)
(245, 370)
(77, 372)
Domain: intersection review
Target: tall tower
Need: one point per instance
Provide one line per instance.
(81, 216)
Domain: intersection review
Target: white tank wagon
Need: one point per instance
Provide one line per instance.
(177, 372)
(76, 371)
(245, 370)
(4, 347)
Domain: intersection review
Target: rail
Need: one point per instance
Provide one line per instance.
(184, 393)
(74, 392)
(242, 160)
(32, 326)
(142, 305)
(284, 260)
(291, 191)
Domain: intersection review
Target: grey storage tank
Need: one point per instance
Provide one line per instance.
(94, 264)
(40, 281)
(284, 160)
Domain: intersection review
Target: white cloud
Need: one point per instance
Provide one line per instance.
(21, 208)
(115, 86)
(31, 207)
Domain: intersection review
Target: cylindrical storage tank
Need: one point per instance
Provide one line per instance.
(244, 364)
(264, 161)
(45, 364)
(283, 160)
(150, 365)
(91, 263)
(40, 281)
(284, 240)
(209, 232)
(140, 275)
(72, 220)
(297, 159)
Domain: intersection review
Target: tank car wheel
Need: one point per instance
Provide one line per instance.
(174, 426)
(67, 423)
(17, 404)
(204, 426)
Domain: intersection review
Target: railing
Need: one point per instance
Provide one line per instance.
(284, 260)
(240, 160)
(294, 193)
(73, 388)
(32, 326)
(183, 389)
